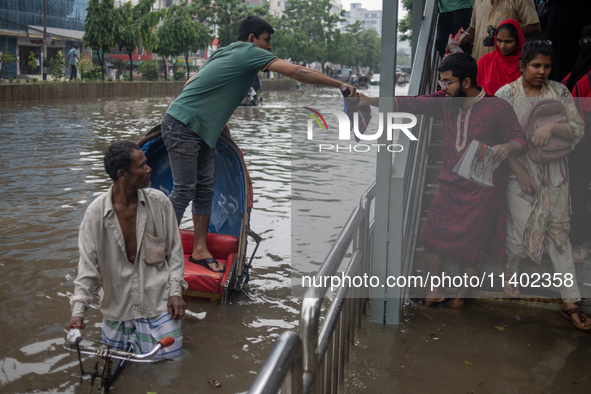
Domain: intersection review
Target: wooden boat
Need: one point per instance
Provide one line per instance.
(229, 226)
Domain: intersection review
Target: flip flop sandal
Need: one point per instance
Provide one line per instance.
(567, 315)
(580, 254)
(206, 263)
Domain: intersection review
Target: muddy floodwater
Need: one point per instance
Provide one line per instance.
(51, 169)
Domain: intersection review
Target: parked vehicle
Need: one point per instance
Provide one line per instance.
(375, 79)
(362, 82)
(344, 75)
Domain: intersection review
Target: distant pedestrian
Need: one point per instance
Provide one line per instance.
(73, 59)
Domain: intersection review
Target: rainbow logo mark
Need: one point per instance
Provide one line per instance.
(316, 119)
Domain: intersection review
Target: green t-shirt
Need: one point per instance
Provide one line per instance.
(454, 5)
(208, 101)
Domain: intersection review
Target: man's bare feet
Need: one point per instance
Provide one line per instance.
(434, 298)
(512, 290)
(457, 303)
(572, 312)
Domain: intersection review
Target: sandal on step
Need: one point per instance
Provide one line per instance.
(582, 318)
(580, 254)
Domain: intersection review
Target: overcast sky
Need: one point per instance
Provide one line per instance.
(371, 5)
(367, 4)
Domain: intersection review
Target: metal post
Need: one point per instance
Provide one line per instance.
(417, 19)
(44, 49)
(384, 162)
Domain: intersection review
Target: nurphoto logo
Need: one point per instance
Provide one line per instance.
(393, 121)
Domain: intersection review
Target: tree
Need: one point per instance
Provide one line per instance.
(134, 27)
(6, 58)
(179, 34)
(405, 24)
(229, 13)
(32, 61)
(309, 29)
(98, 29)
(370, 49)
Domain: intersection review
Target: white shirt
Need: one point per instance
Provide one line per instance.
(129, 291)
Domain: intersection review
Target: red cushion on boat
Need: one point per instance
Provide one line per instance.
(219, 245)
(200, 278)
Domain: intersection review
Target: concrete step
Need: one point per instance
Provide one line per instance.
(530, 270)
(437, 132)
(436, 152)
(433, 172)
(428, 197)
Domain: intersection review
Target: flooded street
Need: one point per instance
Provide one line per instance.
(51, 169)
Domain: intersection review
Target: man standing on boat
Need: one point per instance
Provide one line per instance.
(194, 121)
(130, 243)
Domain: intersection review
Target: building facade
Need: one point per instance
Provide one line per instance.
(21, 30)
(277, 7)
(370, 19)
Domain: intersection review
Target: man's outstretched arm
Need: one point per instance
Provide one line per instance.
(308, 75)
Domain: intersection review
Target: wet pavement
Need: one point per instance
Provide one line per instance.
(489, 347)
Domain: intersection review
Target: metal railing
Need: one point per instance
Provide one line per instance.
(325, 349)
(283, 369)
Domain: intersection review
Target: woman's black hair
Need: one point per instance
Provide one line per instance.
(533, 48)
(510, 29)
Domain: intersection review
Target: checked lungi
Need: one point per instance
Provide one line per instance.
(144, 334)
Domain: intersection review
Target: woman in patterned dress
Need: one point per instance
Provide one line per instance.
(538, 199)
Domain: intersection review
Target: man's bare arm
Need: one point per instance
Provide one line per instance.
(468, 37)
(532, 30)
(307, 75)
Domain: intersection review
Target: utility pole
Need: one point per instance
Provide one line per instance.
(44, 48)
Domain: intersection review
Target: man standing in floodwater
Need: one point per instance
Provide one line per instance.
(129, 241)
(73, 59)
(194, 121)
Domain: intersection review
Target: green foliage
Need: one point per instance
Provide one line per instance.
(17, 81)
(34, 80)
(6, 58)
(179, 34)
(134, 25)
(57, 66)
(92, 73)
(229, 13)
(85, 65)
(10, 80)
(27, 80)
(120, 65)
(405, 24)
(178, 73)
(149, 70)
(32, 63)
(98, 29)
(305, 31)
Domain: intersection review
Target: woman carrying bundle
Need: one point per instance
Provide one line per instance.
(538, 198)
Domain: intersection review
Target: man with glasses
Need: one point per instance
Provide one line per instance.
(463, 213)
